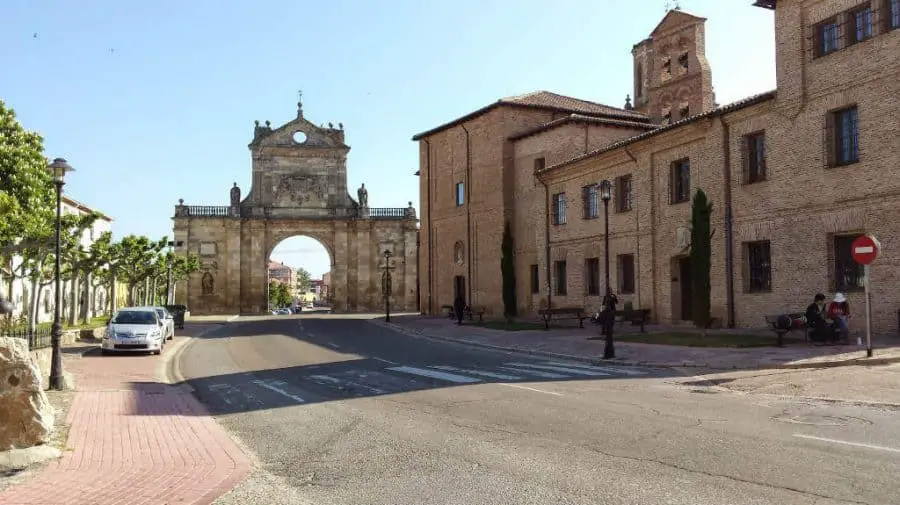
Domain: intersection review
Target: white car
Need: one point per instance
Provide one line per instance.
(135, 329)
(169, 320)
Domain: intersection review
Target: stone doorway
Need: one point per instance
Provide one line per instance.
(682, 289)
(298, 187)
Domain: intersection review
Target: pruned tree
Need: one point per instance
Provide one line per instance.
(508, 273)
(303, 280)
(701, 253)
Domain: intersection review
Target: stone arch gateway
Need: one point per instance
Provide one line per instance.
(299, 187)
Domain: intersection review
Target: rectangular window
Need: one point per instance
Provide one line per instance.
(755, 157)
(893, 14)
(623, 193)
(590, 201)
(842, 136)
(680, 181)
(759, 267)
(460, 194)
(859, 24)
(539, 164)
(848, 274)
(626, 273)
(827, 36)
(535, 279)
(559, 208)
(560, 277)
(592, 276)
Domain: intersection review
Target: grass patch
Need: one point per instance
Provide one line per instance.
(91, 324)
(689, 339)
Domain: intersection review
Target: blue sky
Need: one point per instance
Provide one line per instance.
(155, 101)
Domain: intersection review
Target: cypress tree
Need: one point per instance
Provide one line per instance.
(701, 252)
(508, 273)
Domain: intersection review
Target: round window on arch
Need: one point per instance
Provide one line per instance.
(299, 137)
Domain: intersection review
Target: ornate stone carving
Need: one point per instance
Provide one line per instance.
(235, 195)
(459, 254)
(299, 189)
(207, 283)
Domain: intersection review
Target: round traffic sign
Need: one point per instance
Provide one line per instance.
(865, 249)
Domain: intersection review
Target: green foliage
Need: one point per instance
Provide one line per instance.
(508, 272)
(279, 294)
(701, 252)
(26, 188)
(303, 280)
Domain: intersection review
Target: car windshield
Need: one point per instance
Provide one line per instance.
(134, 317)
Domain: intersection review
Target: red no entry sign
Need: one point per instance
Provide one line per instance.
(865, 249)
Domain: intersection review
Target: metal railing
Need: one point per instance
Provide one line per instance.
(219, 211)
(204, 211)
(38, 339)
(388, 212)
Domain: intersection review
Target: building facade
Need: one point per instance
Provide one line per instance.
(91, 299)
(793, 175)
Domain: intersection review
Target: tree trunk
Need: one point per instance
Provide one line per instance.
(33, 306)
(155, 295)
(86, 300)
(73, 301)
(113, 294)
(146, 296)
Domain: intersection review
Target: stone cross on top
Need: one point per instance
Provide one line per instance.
(300, 104)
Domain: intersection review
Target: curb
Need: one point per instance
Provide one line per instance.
(645, 364)
(171, 371)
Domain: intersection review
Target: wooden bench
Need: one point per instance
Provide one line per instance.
(476, 310)
(563, 313)
(637, 317)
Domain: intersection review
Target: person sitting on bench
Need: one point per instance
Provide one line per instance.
(819, 329)
(839, 312)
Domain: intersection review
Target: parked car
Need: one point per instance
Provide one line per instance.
(169, 319)
(135, 329)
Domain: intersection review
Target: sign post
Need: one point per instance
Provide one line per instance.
(865, 250)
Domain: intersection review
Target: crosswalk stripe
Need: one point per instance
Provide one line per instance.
(434, 374)
(493, 375)
(546, 375)
(615, 370)
(279, 391)
(559, 369)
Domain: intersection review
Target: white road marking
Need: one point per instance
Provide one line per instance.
(279, 391)
(562, 369)
(384, 361)
(325, 378)
(332, 344)
(434, 374)
(333, 380)
(519, 386)
(610, 369)
(493, 375)
(546, 375)
(217, 387)
(855, 444)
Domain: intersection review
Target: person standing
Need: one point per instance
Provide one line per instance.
(459, 307)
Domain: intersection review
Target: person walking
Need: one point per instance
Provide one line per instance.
(459, 307)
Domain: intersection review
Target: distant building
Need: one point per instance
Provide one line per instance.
(324, 290)
(90, 299)
(284, 274)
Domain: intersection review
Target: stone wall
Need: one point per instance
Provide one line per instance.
(69, 337)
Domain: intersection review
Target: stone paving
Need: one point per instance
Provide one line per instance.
(572, 343)
(135, 440)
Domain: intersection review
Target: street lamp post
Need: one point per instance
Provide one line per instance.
(386, 285)
(58, 169)
(170, 293)
(609, 350)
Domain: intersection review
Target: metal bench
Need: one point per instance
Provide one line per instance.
(563, 313)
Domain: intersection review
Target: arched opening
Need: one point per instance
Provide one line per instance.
(298, 275)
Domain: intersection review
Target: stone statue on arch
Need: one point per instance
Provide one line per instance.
(363, 195)
(207, 283)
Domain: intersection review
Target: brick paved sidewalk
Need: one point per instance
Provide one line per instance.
(135, 440)
(572, 343)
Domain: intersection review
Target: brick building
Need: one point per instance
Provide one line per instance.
(279, 272)
(793, 175)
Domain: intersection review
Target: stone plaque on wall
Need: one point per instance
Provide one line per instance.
(207, 248)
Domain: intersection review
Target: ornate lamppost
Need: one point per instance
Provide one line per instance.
(58, 169)
(609, 350)
(386, 285)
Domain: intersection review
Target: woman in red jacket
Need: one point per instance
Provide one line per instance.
(839, 312)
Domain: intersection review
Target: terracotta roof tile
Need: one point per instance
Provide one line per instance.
(740, 104)
(548, 101)
(580, 118)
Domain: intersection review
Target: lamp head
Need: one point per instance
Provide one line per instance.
(58, 169)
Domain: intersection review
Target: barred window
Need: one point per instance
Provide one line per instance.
(860, 24)
(560, 278)
(626, 273)
(893, 16)
(535, 279)
(848, 274)
(759, 266)
(590, 201)
(754, 157)
(592, 276)
(680, 181)
(827, 37)
(842, 137)
(559, 208)
(623, 193)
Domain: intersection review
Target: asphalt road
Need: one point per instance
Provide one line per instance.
(341, 411)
